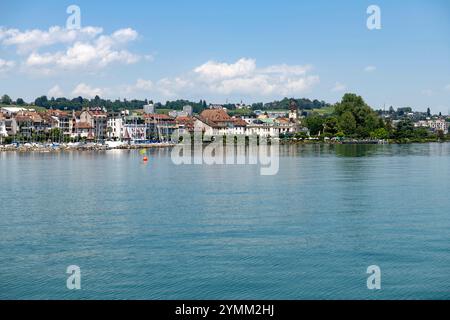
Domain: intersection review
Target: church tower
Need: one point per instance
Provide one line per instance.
(293, 111)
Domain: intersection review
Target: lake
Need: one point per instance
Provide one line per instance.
(161, 231)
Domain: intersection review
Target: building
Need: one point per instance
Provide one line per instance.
(187, 112)
(9, 113)
(114, 130)
(62, 119)
(434, 125)
(83, 130)
(98, 121)
(28, 123)
(160, 126)
(3, 132)
(185, 124)
(134, 128)
(149, 108)
(214, 122)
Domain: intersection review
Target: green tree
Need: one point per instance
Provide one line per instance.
(6, 99)
(331, 126)
(20, 102)
(355, 117)
(380, 133)
(315, 124)
(405, 129)
(347, 124)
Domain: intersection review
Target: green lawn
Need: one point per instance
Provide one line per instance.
(324, 111)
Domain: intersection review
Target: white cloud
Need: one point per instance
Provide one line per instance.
(6, 65)
(84, 90)
(31, 40)
(86, 48)
(81, 55)
(240, 78)
(370, 69)
(55, 92)
(244, 77)
(338, 87)
(212, 70)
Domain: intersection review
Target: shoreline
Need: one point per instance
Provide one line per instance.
(93, 147)
(102, 147)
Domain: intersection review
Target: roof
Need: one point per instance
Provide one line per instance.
(28, 116)
(13, 109)
(95, 113)
(83, 125)
(57, 113)
(215, 115)
(238, 122)
(184, 119)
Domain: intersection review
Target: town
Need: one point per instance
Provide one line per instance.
(31, 124)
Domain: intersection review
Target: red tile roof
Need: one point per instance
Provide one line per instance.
(238, 122)
(215, 115)
(83, 125)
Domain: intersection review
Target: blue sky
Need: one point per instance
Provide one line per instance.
(229, 50)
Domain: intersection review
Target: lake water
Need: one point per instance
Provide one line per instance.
(161, 231)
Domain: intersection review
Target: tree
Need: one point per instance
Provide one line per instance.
(355, 117)
(20, 102)
(380, 134)
(41, 102)
(428, 112)
(347, 124)
(6, 99)
(405, 129)
(314, 124)
(331, 126)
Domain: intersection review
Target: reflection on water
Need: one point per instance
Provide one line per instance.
(161, 231)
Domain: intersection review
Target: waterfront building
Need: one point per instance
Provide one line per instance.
(28, 123)
(62, 119)
(134, 128)
(114, 130)
(98, 121)
(3, 132)
(185, 124)
(83, 130)
(160, 126)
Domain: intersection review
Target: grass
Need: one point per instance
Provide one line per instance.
(324, 111)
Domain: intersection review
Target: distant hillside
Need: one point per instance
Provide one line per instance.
(304, 104)
(79, 103)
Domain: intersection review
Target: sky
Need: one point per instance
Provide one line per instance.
(229, 51)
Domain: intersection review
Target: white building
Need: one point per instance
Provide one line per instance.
(149, 108)
(3, 132)
(434, 125)
(114, 126)
(10, 111)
